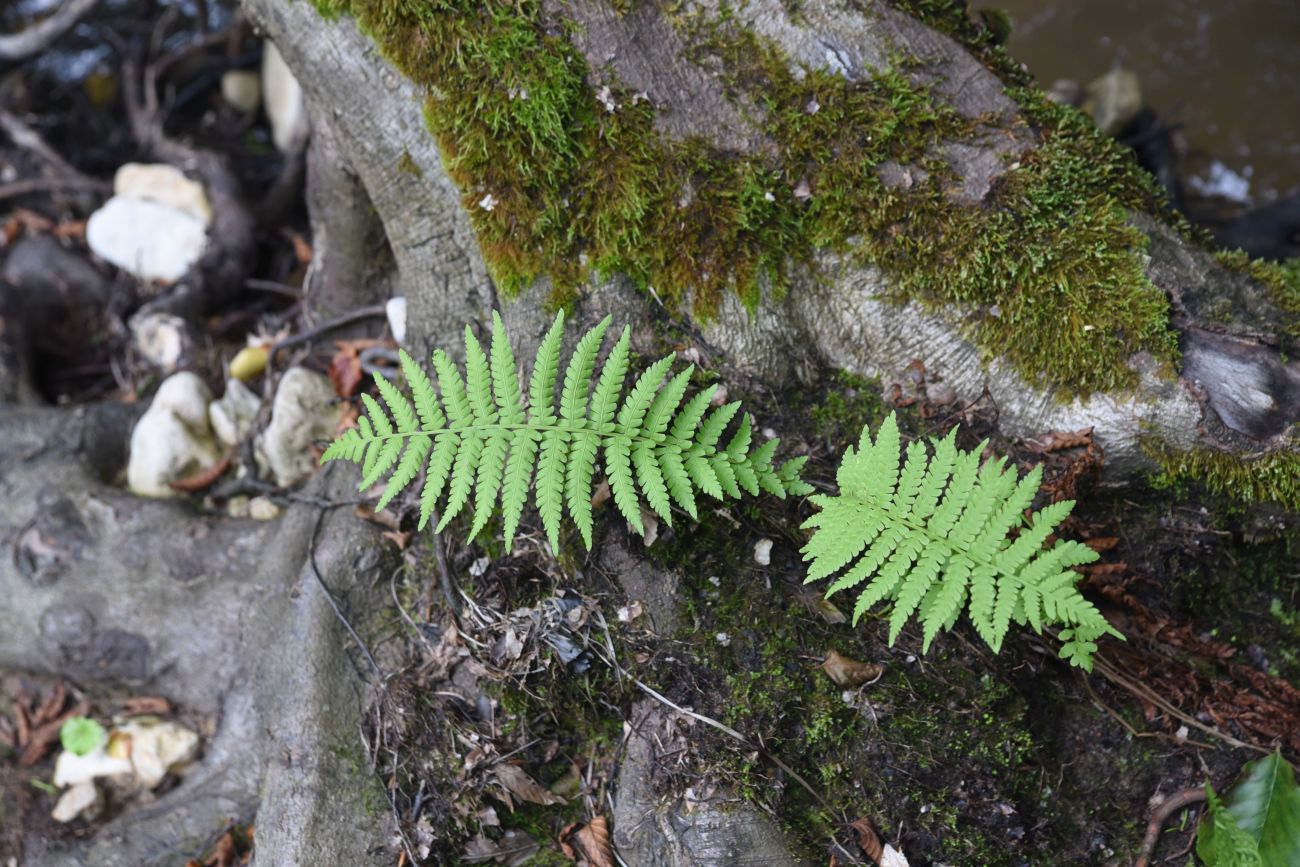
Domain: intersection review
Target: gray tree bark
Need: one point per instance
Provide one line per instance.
(1236, 390)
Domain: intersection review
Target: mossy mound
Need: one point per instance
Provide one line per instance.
(566, 180)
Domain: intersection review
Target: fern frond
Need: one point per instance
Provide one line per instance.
(475, 439)
(938, 533)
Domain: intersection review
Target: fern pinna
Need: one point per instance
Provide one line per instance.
(938, 535)
(481, 440)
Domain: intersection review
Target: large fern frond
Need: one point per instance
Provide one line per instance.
(477, 439)
(939, 534)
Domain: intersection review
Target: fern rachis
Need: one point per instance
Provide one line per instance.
(475, 437)
(937, 537)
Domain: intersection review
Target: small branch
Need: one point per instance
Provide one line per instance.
(27, 186)
(33, 40)
(1171, 805)
(66, 175)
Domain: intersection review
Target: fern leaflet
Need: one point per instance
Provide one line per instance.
(935, 536)
(476, 437)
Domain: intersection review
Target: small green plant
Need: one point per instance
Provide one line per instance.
(939, 535)
(81, 735)
(477, 438)
(1257, 822)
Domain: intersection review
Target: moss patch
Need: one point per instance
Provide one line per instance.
(1273, 478)
(1281, 278)
(557, 184)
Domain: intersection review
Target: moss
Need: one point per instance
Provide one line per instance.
(1281, 278)
(558, 185)
(941, 755)
(407, 165)
(1272, 478)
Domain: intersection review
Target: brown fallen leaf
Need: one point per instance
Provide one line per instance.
(594, 841)
(1102, 544)
(1055, 441)
(850, 673)
(52, 705)
(515, 781)
(868, 840)
(46, 736)
(146, 705)
(203, 478)
(345, 367)
(224, 853)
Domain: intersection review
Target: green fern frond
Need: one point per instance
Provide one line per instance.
(937, 534)
(481, 446)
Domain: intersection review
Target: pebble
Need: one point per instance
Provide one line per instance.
(304, 411)
(285, 106)
(173, 439)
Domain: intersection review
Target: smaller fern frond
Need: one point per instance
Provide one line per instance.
(482, 447)
(942, 530)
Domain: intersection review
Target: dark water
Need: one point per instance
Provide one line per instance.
(1226, 71)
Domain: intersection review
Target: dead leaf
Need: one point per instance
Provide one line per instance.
(513, 779)
(141, 705)
(595, 843)
(601, 494)
(203, 478)
(225, 852)
(301, 247)
(849, 673)
(868, 841)
(345, 369)
(401, 539)
(1102, 544)
(44, 737)
(1055, 441)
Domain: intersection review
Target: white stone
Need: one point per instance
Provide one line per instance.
(242, 90)
(150, 240)
(156, 748)
(165, 185)
(304, 411)
(161, 338)
(763, 552)
(81, 798)
(232, 414)
(285, 107)
(263, 509)
(396, 310)
(71, 769)
(172, 439)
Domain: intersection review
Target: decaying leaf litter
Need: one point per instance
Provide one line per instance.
(498, 734)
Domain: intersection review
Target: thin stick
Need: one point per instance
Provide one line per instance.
(1175, 802)
(19, 46)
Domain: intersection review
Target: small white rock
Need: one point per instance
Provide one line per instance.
(165, 185)
(81, 798)
(242, 90)
(232, 414)
(150, 240)
(71, 769)
(172, 439)
(891, 857)
(763, 552)
(723, 638)
(395, 308)
(285, 106)
(161, 338)
(304, 411)
(263, 509)
(157, 748)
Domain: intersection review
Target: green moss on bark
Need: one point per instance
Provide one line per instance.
(559, 184)
(1272, 478)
